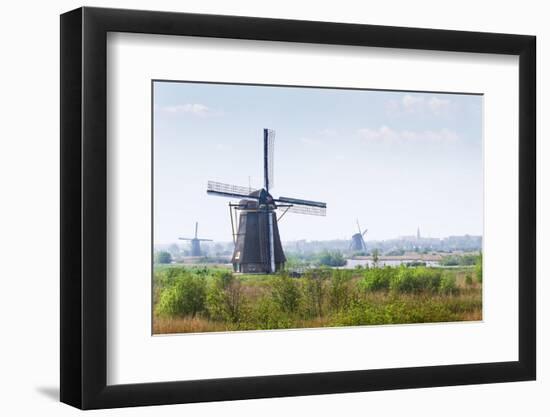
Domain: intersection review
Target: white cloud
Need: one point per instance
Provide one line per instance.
(438, 105)
(412, 103)
(418, 104)
(383, 133)
(195, 109)
(387, 134)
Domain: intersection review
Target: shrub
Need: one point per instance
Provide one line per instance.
(376, 279)
(339, 290)
(415, 280)
(285, 293)
(468, 280)
(163, 257)
(185, 296)
(458, 260)
(332, 259)
(218, 300)
(314, 290)
(268, 315)
(224, 299)
(448, 285)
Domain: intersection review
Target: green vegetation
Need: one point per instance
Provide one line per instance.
(197, 299)
(163, 257)
(325, 258)
(459, 260)
(185, 296)
(479, 268)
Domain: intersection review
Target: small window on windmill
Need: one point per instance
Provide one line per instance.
(238, 255)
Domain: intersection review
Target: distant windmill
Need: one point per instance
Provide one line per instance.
(357, 240)
(195, 242)
(258, 246)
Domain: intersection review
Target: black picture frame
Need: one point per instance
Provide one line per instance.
(84, 207)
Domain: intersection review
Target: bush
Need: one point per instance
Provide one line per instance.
(377, 279)
(224, 299)
(448, 285)
(458, 260)
(332, 259)
(415, 280)
(219, 300)
(185, 296)
(468, 280)
(314, 290)
(285, 293)
(339, 290)
(163, 257)
(268, 315)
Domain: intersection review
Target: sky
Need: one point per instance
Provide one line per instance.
(397, 161)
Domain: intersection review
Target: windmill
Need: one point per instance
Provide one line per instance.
(195, 242)
(357, 240)
(257, 242)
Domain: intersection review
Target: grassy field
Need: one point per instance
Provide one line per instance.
(205, 299)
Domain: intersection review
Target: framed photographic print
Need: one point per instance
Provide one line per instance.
(258, 207)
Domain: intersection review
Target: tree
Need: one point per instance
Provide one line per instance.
(163, 257)
(332, 258)
(174, 249)
(375, 257)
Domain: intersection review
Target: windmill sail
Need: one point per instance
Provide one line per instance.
(301, 202)
(269, 149)
(312, 211)
(229, 190)
(298, 206)
(271, 242)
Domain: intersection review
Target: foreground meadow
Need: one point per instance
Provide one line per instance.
(206, 299)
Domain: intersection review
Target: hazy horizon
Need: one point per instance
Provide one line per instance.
(284, 241)
(394, 160)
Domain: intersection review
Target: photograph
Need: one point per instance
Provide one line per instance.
(292, 207)
(339, 205)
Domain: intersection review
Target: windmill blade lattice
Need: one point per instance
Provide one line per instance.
(269, 152)
(312, 211)
(314, 208)
(229, 190)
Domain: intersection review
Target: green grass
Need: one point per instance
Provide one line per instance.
(199, 299)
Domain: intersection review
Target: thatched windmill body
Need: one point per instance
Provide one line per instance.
(256, 236)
